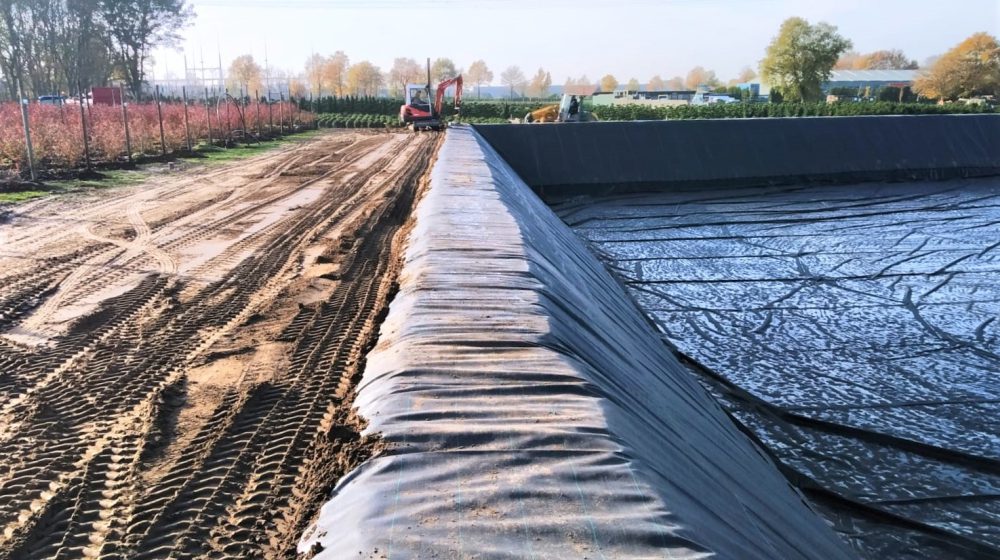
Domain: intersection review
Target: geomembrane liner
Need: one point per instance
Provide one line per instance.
(531, 411)
(854, 329)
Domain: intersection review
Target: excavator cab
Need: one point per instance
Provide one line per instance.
(417, 111)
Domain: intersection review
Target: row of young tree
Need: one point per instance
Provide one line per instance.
(798, 61)
(51, 46)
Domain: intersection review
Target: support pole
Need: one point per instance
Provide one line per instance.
(159, 115)
(281, 113)
(270, 113)
(229, 126)
(27, 130)
(83, 126)
(187, 125)
(256, 97)
(128, 137)
(208, 117)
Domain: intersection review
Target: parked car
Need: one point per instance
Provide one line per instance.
(51, 100)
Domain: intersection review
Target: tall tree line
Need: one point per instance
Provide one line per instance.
(51, 45)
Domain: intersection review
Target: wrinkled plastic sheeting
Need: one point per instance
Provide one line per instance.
(854, 329)
(595, 158)
(531, 412)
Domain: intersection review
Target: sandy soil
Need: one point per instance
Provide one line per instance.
(177, 359)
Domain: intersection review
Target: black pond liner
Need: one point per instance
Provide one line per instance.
(853, 329)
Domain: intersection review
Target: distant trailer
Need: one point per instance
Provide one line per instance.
(106, 96)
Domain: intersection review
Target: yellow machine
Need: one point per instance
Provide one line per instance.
(549, 113)
(569, 109)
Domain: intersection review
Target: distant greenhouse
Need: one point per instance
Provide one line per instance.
(875, 79)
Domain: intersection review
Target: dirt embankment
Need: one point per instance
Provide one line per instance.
(177, 360)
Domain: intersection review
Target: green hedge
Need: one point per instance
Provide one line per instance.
(358, 104)
(752, 110)
(358, 120)
(361, 120)
(490, 112)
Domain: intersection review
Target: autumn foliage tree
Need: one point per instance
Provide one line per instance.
(893, 59)
(746, 75)
(972, 68)
(364, 78)
(335, 72)
(632, 85)
(327, 74)
(609, 83)
(699, 76)
(539, 85)
(478, 74)
(656, 83)
(244, 75)
(800, 58)
(675, 84)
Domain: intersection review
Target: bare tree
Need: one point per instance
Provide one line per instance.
(314, 73)
(443, 69)
(513, 78)
(50, 45)
(135, 27)
(404, 71)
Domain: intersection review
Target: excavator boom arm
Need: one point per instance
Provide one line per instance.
(442, 87)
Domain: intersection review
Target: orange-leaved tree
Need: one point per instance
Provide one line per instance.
(970, 69)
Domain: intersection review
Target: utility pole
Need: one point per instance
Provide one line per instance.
(159, 114)
(83, 126)
(27, 129)
(128, 138)
(187, 125)
(208, 116)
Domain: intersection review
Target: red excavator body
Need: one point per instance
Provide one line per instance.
(418, 112)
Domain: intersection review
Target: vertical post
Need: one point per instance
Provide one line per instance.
(187, 125)
(218, 116)
(208, 117)
(229, 126)
(281, 112)
(256, 98)
(27, 130)
(128, 137)
(270, 113)
(159, 115)
(83, 126)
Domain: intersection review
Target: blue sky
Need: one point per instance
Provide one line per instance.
(637, 38)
